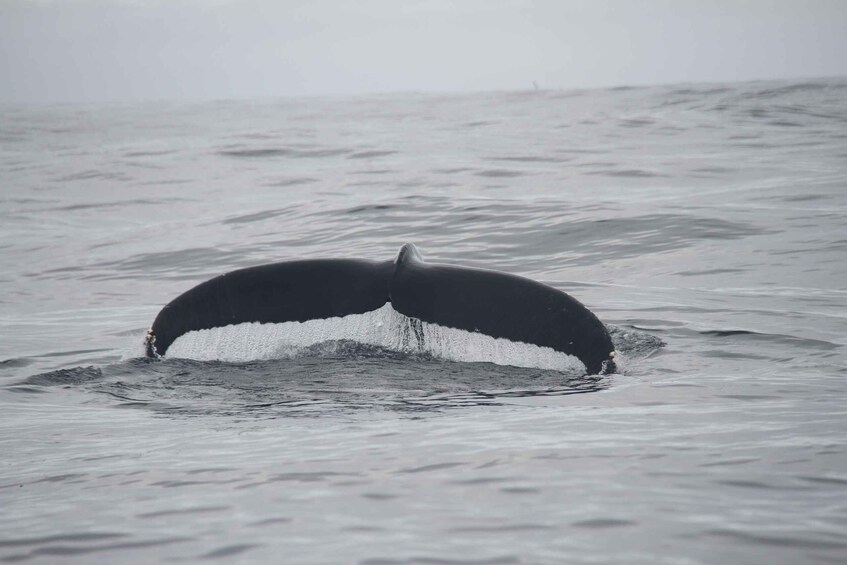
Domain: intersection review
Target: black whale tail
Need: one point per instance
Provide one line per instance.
(498, 305)
(502, 306)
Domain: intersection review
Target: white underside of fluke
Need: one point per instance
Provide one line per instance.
(383, 327)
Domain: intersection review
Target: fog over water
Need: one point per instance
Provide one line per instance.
(113, 50)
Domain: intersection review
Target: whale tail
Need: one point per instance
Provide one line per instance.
(490, 304)
(500, 305)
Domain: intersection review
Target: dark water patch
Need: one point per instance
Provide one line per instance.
(817, 344)
(370, 172)
(412, 184)
(757, 112)
(452, 170)
(429, 468)
(715, 170)
(603, 523)
(364, 530)
(76, 550)
(731, 462)
(291, 181)
(370, 154)
(812, 112)
(379, 496)
(505, 528)
(165, 182)
(74, 538)
(743, 356)
(106, 205)
(708, 91)
(289, 152)
(149, 153)
(101, 458)
(637, 122)
(311, 477)
(499, 173)
(597, 164)
(779, 91)
(761, 145)
(809, 143)
(72, 376)
(807, 198)
(64, 478)
(520, 490)
(751, 484)
(256, 153)
(580, 151)
(481, 481)
(710, 272)
(805, 540)
(229, 550)
(531, 159)
(212, 470)
(15, 363)
(27, 200)
(368, 182)
(93, 174)
(826, 480)
(263, 136)
(748, 397)
(785, 124)
(270, 522)
(13, 136)
(259, 216)
(182, 484)
(684, 100)
(182, 512)
(590, 383)
(479, 123)
(370, 209)
(18, 389)
(626, 173)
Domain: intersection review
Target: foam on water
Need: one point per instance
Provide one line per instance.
(384, 327)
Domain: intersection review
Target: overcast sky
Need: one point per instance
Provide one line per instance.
(109, 50)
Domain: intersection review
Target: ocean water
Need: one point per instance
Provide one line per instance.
(706, 225)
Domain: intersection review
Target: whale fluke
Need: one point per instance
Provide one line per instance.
(458, 313)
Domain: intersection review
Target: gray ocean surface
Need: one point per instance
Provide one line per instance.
(711, 219)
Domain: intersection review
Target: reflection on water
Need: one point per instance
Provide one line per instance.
(311, 386)
(331, 377)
